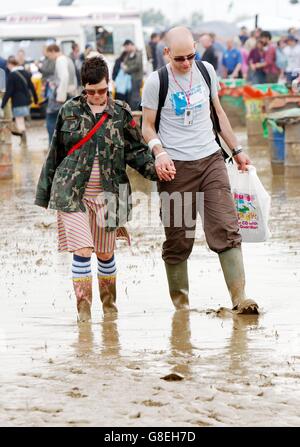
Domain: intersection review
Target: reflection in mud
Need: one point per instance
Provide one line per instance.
(180, 341)
(110, 336)
(85, 343)
(238, 348)
(238, 370)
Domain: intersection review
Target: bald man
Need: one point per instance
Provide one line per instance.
(192, 172)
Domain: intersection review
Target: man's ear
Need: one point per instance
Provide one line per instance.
(166, 51)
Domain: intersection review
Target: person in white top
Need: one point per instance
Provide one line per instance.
(62, 87)
(292, 52)
(190, 160)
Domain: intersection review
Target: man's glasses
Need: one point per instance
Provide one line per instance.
(99, 91)
(190, 57)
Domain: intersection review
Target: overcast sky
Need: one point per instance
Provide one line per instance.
(174, 9)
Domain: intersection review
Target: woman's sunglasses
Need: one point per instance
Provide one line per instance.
(190, 57)
(99, 91)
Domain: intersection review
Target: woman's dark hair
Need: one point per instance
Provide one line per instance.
(266, 34)
(53, 48)
(94, 70)
(12, 61)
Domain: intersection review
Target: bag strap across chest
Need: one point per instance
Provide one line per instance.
(89, 135)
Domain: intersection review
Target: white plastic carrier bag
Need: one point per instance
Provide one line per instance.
(252, 202)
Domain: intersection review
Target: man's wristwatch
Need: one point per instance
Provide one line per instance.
(237, 151)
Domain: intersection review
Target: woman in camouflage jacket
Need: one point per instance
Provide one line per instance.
(89, 187)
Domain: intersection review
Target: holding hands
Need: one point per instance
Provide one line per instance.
(165, 167)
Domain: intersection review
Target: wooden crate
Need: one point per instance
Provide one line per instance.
(277, 167)
(292, 150)
(292, 171)
(292, 143)
(282, 102)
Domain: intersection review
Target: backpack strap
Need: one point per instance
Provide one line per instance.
(163, 91)
(203, 70)
(213, 114)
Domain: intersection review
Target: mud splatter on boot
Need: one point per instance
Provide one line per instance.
(107, 284)
(177, 275)
(82, 282)
(234, 274)
(83, 292)
(108, 294)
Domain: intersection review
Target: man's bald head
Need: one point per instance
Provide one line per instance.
(180, 49)
(180, 40)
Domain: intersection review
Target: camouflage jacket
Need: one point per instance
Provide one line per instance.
(119, 141)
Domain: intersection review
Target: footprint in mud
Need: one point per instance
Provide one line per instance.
(215, 416)
(36, 410)
(34, 375)
(137, 415)
(152, 403)
(236, 406)
(173, 378)
(76, 394)
(47, 410)
(45, 225)
(79, 422)
(158, 388)
(200, 423)
(133, 366)
(77, 371)
(205, 399)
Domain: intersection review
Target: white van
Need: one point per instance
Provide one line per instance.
(105, 30)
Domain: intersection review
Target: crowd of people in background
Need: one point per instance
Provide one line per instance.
(20, 90)
(256, 56)
(60, 77)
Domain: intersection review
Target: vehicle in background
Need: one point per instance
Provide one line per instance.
(38, 110)
(104, 30)
(32, 31)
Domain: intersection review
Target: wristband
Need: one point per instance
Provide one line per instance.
(160, 154)
(154, 142)
(237, 151)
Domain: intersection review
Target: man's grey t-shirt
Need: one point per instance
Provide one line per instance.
(185, 143)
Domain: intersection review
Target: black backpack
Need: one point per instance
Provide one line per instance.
(163, 91)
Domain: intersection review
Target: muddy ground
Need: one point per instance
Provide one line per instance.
(238, 371)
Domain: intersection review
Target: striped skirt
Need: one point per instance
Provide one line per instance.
(87, 229)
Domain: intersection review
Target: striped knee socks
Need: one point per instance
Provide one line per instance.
(81, 268)
(107, 269)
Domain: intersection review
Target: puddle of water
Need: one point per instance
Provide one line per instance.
(237, 370)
